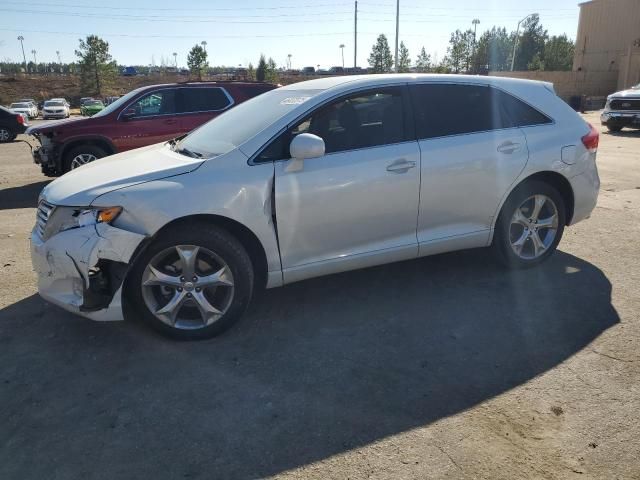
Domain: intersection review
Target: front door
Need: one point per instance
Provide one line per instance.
(356, 205)
(150, 119)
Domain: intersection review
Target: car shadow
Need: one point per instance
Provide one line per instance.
(624, 133)
(315, 369)
(24, 196)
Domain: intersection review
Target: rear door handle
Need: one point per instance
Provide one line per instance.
(401, 166)
(509, 147)
(171, 121)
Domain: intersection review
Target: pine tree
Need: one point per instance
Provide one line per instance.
(404, 60)
(261, 72)
(380, 58)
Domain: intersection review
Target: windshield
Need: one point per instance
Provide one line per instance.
(239, 124)
(93, 102)
(53, 104)
(19, 105)
(112, 107)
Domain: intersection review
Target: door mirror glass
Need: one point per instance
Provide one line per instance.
(306, 145)
(128, 114)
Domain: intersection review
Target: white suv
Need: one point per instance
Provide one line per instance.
(311, 179)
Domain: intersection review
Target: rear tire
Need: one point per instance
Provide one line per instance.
(613, 129)
(162, 277)
(78, 156)
(6, 135)
(530, 225)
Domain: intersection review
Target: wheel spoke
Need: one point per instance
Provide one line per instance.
(188, 256)
(156, 277)
(519, 218)
(551, 222)
(222, 277)
(169, 312)
(518, 244)
(539, 201)
(538, 245)
(209, 312)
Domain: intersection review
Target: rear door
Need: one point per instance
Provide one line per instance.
(198, 105)
(150, 119)
(470, 156)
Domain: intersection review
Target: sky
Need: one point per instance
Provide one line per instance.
(143, 32)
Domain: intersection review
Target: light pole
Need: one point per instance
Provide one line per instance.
(515, 42)
(397, 31)
(175, 59)
(475, 23)
(204, 45)
(289, 60)
(59, 61)
(342, 49)
(35, 60)
(24, 57)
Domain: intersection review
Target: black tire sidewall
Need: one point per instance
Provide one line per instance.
(218, 241)
(501, 240)
(75, 151)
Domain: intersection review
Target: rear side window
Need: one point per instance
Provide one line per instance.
(203, 99)
(449, 109)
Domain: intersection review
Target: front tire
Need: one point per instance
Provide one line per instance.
(192, 283)
(530, 225)
(81, 155)
(614, 129)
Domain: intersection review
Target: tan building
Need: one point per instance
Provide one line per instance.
(608, 40)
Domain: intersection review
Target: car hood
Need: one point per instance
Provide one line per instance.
(82, 186)
(48, 127)
(631, 93)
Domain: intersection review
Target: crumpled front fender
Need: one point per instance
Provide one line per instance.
(73, 268)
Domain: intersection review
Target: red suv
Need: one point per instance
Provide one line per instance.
(143, 117)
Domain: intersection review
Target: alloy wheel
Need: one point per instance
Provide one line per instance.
(82, 159)
(533, 227)
(5, 135)
(187, 287)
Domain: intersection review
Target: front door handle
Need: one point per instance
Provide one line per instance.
(401, 166)
(171, 121)
(509, 147)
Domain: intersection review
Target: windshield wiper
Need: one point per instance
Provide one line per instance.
(189, 153)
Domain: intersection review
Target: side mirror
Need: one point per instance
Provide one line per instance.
(306, 145)
(128, 114)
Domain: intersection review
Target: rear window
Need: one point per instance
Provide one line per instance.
(203, 99)
(454, 109)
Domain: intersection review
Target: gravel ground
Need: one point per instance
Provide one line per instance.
(444, 367)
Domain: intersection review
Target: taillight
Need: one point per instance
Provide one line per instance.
(20, 119)
(591, 139)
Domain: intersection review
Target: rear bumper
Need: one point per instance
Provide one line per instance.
(586, 188)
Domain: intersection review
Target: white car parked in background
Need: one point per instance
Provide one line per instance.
(310, 179)
(56, 108)
(26, 108)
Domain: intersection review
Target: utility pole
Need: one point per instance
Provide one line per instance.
(21, 38)
(342, 49)
(355, 36)
(475, 23)
(35, 60)
(397, 31)
(515, 43)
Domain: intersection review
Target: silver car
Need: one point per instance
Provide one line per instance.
(311, 179)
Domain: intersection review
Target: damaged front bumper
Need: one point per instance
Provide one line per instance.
(82, 269)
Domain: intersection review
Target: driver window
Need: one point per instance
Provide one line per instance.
(365, 120)
(156, 103)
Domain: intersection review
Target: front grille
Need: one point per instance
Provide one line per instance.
(42, 216)
(625, 104)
